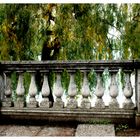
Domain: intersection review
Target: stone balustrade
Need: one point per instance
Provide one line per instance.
(70, 106)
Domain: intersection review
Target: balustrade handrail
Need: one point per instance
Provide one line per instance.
(55, 65)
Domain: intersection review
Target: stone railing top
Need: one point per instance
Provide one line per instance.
(112, 65)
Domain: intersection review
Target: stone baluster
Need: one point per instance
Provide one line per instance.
(32, 92)
(72, 91)
(113, 90)
(85, 93)
(128, 92)
(99, 92)
(20, 91)
(58, 92)
(7, 101)
(45, 92)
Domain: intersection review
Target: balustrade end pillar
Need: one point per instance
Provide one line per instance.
(1, 87)
(137, 121)
(137, 80)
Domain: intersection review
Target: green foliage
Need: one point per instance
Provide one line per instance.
(122, 78)
(27, 80)
(65, 80)
(78, 80)
(105, 77)
(20, 34)
(131, 36)
(121, 127)
(92, 80)
(85, 30)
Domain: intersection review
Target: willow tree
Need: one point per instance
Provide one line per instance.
(23, 29)
(85, 31)
(131, 36)
(98, 31)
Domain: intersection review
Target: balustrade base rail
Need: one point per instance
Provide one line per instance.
(80, 115)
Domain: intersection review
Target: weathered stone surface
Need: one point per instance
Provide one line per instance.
(57, 131)
(19, 104)
(128, 104)
(7, 102)
(16, 130)
(85, 103)
(99, 103)
(72, 103)
(3, 128)
(113, 103)
(32, 104)
(58, 104)
(95, 130)
(45, 103)
(45, 130)
(35, 129)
